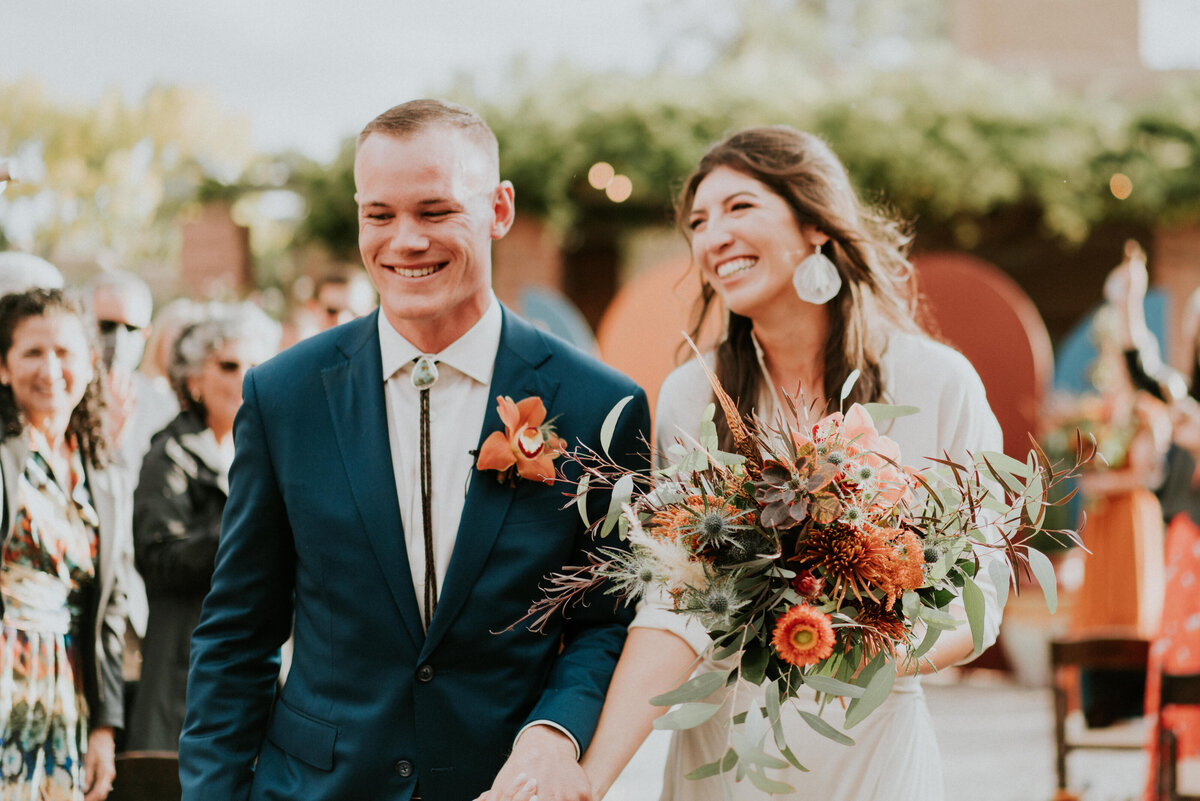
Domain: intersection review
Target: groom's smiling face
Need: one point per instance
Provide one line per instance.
(429, 206)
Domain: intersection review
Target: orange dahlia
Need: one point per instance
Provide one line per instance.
(803, 636)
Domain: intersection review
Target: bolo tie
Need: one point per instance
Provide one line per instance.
(424, 376)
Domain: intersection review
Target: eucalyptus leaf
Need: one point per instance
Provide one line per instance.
(927, 642)
(878, 689)
(831, 686)
(976, 608)
(713, 768)
(622, 492)
(695, 461)
(581, 492)
(848, 385)
(754, 662)
(708, 430)
(731, 646)
(1043, 571)
(751, 753)
(825, 728)
(774, 707)
(768, 785)
(610, 423)
(998, 570)
(1002, 461)
(881, 412)
(694, 689)
(938, 619)
(790, 757)
(686, 716)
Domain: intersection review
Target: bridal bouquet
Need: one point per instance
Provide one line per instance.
(813, 559)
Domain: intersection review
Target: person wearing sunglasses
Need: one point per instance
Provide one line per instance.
(179, 500)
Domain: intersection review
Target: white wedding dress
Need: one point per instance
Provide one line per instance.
(895, 756)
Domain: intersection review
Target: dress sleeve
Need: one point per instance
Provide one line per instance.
(967, 426)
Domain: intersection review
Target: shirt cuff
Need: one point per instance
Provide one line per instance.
(552, 725)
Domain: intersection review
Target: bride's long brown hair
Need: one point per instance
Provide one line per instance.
(868, 248)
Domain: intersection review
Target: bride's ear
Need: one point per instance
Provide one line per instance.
(813, 235)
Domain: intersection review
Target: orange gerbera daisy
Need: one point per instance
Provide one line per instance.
(803, 636)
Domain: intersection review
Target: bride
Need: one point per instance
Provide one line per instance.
(816, 286)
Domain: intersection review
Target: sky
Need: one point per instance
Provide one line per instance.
(309, 73)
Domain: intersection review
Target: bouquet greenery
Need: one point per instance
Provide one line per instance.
(813, 558)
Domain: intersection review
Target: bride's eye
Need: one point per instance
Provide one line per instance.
(695, 223)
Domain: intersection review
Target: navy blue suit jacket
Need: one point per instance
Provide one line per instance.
(373, 704)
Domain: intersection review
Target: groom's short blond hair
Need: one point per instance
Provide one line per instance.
(415, 116)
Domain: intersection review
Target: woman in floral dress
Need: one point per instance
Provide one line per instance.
(66, 524)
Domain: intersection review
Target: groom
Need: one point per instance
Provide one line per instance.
(408, 678)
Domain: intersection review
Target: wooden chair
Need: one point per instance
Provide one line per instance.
(1176, 689)
(1070, 731)
(147, 776)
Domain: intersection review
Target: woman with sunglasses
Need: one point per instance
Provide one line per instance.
(179, 500)
(66, 540)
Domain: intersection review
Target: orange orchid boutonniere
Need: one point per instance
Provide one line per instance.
(527, 443)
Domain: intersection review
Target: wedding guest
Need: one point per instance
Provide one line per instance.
(171, 318)
(122, 306)
(179, 501)
(67, 520)
(340, 296)
(816, 286)
(22, 271)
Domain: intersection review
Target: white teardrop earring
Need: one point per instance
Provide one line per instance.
(816, 279)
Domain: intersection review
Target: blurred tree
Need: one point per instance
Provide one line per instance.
(118, 174)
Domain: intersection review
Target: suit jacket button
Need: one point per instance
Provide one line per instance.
(404, 768)
(425, 673)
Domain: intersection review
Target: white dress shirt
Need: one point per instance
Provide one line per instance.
(458, 402)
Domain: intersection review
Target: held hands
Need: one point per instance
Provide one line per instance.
(99, 764)
(542, 767)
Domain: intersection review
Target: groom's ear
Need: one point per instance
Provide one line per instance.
(504, 209)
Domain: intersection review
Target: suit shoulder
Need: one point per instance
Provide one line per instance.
(585, 368)
(308, 357)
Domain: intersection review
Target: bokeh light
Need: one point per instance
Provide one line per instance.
(601, 175)
(1120, 186)
(619, 189)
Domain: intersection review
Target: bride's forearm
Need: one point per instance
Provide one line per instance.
(653, 662)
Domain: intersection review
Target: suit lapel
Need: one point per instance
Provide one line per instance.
(516, 374)
(355, 390)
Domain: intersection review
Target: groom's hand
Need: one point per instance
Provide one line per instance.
(542, 766)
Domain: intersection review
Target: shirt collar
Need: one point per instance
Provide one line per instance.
(473, 354)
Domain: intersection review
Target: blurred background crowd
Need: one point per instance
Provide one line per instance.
(1047, 155)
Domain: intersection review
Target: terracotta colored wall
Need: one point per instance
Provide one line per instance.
(216, 255)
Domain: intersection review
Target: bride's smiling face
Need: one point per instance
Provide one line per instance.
(746, 241)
